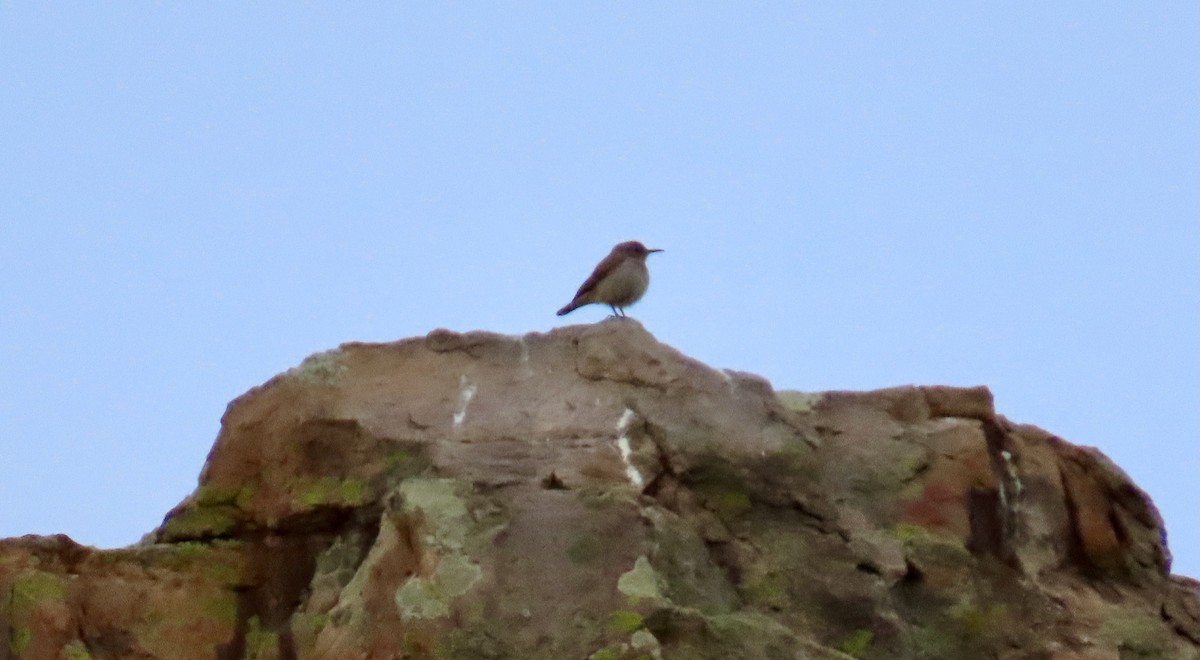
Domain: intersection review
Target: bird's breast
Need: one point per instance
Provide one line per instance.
(625, 284)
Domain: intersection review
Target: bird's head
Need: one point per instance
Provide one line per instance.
(635, 248)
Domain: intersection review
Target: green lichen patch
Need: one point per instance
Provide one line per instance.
(196, 522)
(323, 368)
(75, 651)
(210, 495)
(405, 459)
(965, 629)
(21, 636)
(907, 532)
(31, 591)
(801, 402)
(930, 641)
(625, 621)
(188, 551)
(977, 620)
(857, 643)
(687, 573)
(396, 460)
(221, 606)
(220, 561)
(423, 596)
(907, 470)
(721, 487)
(729, 503)
(1137, 633)
(309, 624)
(456, 574)
(641, 582)
(332, 491)
(585, 550)
(226, 571)
(339, 563)
(645, 641)
(306, 628)
(436, 498)
(429, 598)
(442, 505)
(261, 643)
(924, 543)
(174, 556)
(766, 587)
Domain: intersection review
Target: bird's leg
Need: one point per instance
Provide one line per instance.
(614, 309)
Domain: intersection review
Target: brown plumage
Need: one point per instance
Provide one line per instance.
(619, 280)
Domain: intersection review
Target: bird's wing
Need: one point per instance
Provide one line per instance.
(603, 268)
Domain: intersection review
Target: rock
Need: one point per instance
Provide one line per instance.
(593, 493)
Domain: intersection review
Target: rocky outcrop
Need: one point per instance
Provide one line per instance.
(592, 493)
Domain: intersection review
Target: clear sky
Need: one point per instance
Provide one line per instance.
(194, 196)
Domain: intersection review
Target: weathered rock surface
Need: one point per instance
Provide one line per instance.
(592, 493)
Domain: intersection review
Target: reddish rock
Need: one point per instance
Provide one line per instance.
(591, 492)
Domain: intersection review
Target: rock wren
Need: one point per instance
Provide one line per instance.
(619, 280)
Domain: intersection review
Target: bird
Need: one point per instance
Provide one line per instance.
(619, 280)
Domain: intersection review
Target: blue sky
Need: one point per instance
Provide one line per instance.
(194, 197)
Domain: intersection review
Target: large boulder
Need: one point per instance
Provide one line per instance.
(593, 493)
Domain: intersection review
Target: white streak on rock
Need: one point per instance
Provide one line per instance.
(526, 369)
(464, 399)
(635, 477)
(1011, 467)
(623, 423)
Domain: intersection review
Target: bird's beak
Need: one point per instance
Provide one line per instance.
(654, 250)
